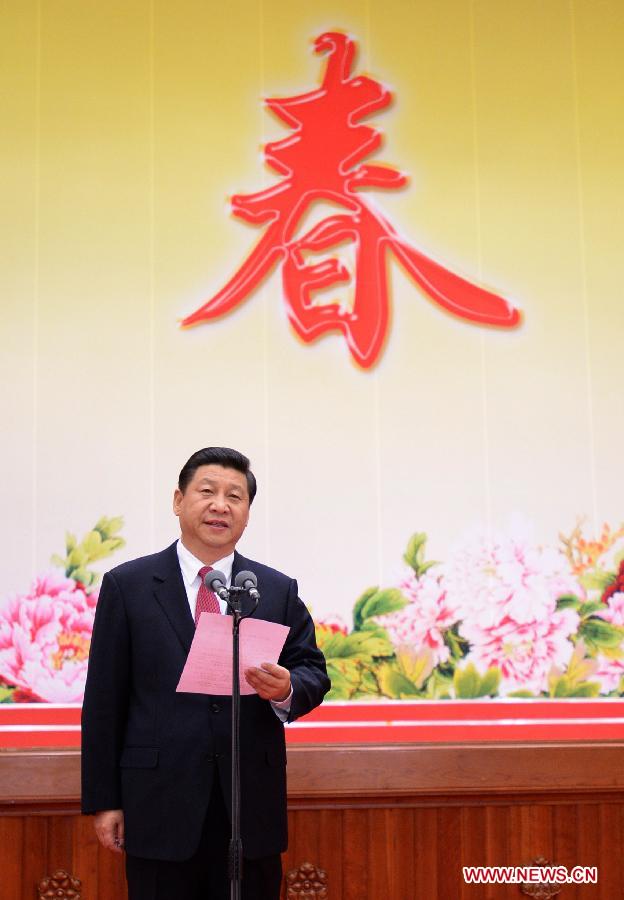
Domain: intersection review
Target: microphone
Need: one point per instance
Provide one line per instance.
(215, 582)
(248, 582)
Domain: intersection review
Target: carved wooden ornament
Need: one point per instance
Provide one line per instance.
(541, 891)
(60, 886)
(308, 882)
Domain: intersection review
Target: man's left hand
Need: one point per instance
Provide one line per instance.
(272, 682)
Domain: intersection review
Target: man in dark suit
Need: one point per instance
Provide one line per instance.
(156, 763)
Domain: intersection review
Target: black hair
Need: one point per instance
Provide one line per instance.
(218, 456)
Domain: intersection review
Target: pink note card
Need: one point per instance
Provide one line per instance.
(208, 668)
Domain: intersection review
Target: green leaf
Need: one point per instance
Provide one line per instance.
(417, 667)
(341, 688)
(347, 670)
(77, 558)
(426, 566)
(592, 606)
(613, 652)
(600, 633)
(439, 686)
(586, 689)
(83, 576)
(96, 544)
(91, 544)
(568, 601)
(378, 644)
(563, 686)
(374, 627)
(6, 693)
(414, 555)
(383, 602)
(457, 644)
(359, 645)
(414, 551)
(580, 666)
(466, 682)
(355, 644)
(115, 524)
(109, 527)
(469, 684)
(368, 684)
(359, 604)
(330, 642)
(490, 682)
(110, 545)
(596, 580)
(522, 693)
(394, 684)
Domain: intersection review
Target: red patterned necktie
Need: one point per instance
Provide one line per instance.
(206, 600)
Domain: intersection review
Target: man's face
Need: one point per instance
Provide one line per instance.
(213, 511)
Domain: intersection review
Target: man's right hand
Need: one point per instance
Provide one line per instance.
(109, 827)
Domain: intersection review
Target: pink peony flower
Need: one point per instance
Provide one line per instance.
(490, 580)
(524, 652)
(507, 590)
(45, 637)
(614, 609)
(611, 670)
(608, 673)
(421, 624)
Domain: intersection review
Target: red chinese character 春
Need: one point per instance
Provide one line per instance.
(322, 160)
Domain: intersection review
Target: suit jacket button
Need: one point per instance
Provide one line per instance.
(215, 708)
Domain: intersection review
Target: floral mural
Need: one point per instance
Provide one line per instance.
(501, 617)
(45, 633)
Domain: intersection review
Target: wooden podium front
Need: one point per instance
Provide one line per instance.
(386, 822)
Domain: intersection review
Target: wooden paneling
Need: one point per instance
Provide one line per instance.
(387, 823)
(418, 853)
(11, 843)
(345, 772)
(444, 769)
(406, 854)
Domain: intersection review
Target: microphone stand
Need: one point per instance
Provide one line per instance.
(235, 851)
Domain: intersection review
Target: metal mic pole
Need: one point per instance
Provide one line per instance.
(236, 845)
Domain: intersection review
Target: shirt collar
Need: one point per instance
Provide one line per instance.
(190, 565)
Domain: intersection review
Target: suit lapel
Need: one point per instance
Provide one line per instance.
(170, 593)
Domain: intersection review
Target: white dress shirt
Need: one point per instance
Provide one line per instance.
(190, 566)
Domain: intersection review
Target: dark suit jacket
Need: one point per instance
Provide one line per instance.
(155, 753)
